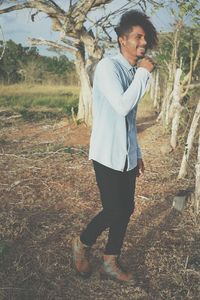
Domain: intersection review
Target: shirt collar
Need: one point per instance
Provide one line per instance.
(124, 61)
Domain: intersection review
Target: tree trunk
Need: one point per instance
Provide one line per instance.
(165, 104)
(8, 77)
(85, 101)
(176, 108)
(155, 100)
(85, 97)
(167, 96)
(197, 183)
(87, 56)
(164, 114)
(152, 87)
(189, 143)
(167, 112)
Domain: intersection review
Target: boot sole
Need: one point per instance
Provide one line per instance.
(105, 276)
(80, 274)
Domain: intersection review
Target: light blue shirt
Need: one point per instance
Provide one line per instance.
(117, 88)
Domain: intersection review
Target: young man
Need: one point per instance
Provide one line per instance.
(119, 83)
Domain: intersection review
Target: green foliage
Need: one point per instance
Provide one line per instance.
(187, 35)
(185, 9)
(24, 64)
(38, 115)
(186, 15)
(9, 64)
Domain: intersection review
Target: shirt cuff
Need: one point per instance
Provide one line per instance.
(139, 153)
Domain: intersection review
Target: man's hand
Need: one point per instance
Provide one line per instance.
(146, 63)
(140, 167)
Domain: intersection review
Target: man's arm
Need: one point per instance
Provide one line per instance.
(108, 81)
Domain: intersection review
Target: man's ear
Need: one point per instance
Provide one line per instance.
(122, 41)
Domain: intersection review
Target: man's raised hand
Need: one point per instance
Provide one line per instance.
(147, 63)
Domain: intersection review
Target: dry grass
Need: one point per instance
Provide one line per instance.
(48, 193)
(35, 102)
(25, 89)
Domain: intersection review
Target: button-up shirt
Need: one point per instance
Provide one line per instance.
(117, 88)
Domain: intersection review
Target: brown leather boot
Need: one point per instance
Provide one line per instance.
(111, 269)
(80, 258)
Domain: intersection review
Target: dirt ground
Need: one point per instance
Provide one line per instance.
(48, 193)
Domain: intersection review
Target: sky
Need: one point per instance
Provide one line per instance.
(18, 25)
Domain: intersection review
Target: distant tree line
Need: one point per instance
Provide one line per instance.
(25, 64)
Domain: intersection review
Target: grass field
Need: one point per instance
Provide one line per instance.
(48, 194)
(24, 98)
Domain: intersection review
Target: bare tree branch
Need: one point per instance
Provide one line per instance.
(54, 45)
(196, 59)
(77, 13)
(193, 86)
(70, 3)
(48, 7)
(188, 77)
(72, 42)
(107, 34)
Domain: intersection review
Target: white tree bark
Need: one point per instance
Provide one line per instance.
(85, 70)
(164, 114)
(152, 87)
(189, 142)
(165, 104)
(197, 183)
(85, 97)
(176, 108)
(155, 100)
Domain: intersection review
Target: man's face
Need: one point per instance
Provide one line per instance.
(134, 44)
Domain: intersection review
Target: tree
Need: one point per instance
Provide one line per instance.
(180, 53)
(86, 43)
(26, 64)
(31, 71)
(176, 52)
(180, 90)
(189, 142)
(9, 63)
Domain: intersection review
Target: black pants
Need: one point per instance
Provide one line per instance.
(117, 197)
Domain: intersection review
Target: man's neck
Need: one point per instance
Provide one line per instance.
(131, 59)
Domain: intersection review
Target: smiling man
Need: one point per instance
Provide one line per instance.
(119, 84)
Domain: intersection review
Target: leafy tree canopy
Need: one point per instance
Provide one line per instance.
(26, 64)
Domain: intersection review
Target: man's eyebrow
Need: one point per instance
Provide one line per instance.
(140, 34)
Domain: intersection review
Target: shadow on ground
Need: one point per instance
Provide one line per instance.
(145, 122)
